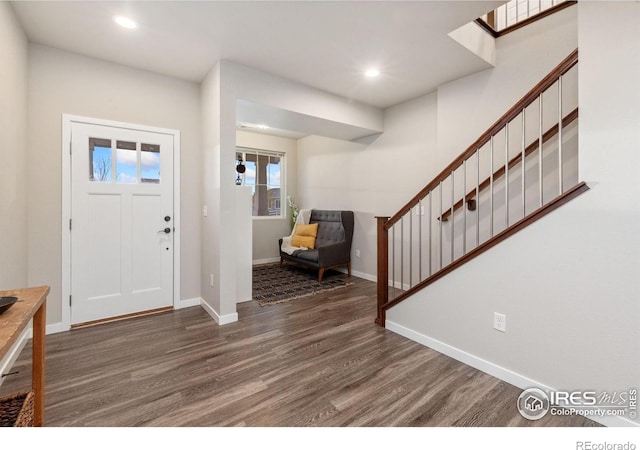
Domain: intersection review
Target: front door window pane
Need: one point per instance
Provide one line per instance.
(150, 163)
(126, 162)
(100, 160)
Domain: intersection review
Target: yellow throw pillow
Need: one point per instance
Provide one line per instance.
(307, 230)
(303, 241)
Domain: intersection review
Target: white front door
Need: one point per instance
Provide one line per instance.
(121, 221)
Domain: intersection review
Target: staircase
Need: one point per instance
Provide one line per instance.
(522, 168)
(517, 14)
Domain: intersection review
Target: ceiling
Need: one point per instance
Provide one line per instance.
(323, 44)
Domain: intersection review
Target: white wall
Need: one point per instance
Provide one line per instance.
(568, 283)
(267, 231)
(244, 272)
(370, 179)
(62, 82)
(211, 240)
(474, 38)
(467, 107)
(13, 151)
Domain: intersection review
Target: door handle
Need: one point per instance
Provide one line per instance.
(165, 231)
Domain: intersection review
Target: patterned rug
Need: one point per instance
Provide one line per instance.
(274, 284)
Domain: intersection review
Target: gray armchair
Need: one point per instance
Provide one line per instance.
(333, 242)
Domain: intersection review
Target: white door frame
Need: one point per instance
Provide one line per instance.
(67, 121)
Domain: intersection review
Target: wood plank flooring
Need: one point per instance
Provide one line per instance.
(316, 361)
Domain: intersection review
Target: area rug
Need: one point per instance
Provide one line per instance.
(274, 284)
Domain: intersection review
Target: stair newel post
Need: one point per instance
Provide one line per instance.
(383, 268)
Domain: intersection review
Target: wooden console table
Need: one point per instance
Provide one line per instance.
(31, 304)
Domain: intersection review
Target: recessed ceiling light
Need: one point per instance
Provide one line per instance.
(125, 22)
(372, 73)
(263, 126)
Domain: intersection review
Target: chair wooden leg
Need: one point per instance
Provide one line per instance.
(320, 275)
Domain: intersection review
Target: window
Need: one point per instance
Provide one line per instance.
(264, 173)
(100, 160)
(134, 162)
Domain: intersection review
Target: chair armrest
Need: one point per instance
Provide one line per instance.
(331, 255)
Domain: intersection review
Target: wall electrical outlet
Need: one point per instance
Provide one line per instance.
(211, 280)
(500, 322)
(205, 211)
(357, 253)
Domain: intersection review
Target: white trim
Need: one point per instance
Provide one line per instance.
(492, 369)
(67, 120)
(364, 276)
(177, 228)
(66, 217)
(10, 357)
(355, 273)
(220, 320)
(281, 217)
(188, 302)
(257, 262)
(55, 328)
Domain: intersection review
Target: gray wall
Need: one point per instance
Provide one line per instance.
(62, 82)
(13, 151)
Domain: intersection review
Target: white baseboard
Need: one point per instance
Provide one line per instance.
(374, 278)
(188, 302)
(355, 273)
(492, 369)
(54, 328)
(9, 359)
(257, 262)
(220, 320)
(364, 276)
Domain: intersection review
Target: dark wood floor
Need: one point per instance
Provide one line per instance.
(316, 361)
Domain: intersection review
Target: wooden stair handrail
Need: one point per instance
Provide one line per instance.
(506, 233)
(551, 132)
(385, 224)
(511, 114)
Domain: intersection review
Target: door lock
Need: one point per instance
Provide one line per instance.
(165, 231)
